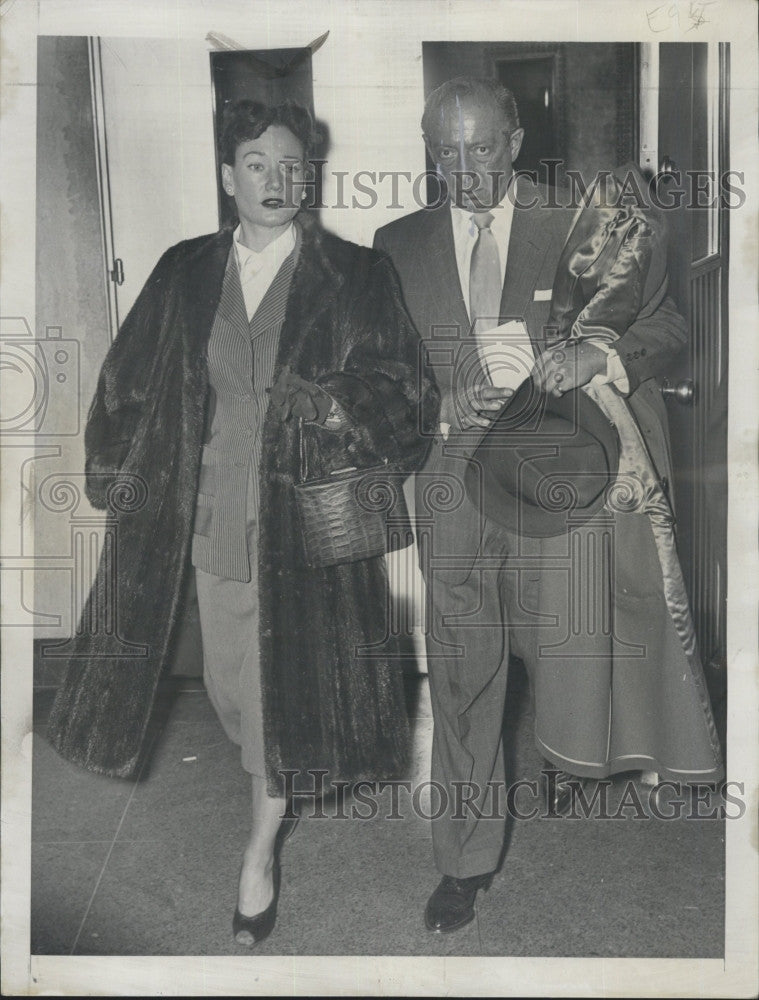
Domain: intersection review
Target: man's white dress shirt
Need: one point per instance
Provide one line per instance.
(465, 234)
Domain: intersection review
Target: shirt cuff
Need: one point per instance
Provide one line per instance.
(615, 370)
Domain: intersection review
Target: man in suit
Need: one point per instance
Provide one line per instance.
(483, 259)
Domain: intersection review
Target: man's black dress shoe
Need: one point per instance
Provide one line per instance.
(451, 905)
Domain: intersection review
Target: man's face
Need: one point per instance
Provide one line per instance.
(472, 138)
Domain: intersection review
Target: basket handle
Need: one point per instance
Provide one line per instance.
(303, 451)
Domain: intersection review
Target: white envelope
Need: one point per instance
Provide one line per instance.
(542, 295)
(507, 354)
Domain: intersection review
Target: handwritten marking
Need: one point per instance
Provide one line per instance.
(662, 17)
(696, 13)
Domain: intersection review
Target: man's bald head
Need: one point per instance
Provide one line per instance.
(469, 89)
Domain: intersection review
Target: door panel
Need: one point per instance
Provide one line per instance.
(693, 137)
(159, 151)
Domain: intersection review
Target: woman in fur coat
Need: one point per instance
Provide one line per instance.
(239, 343)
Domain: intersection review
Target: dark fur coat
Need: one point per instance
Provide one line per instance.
(346, 328)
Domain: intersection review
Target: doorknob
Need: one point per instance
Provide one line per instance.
(684, 392)
(667, 168)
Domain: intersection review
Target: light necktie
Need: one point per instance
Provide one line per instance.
(484, 276)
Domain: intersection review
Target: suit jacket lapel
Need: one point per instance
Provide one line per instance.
(528, 244)
(272, 307)
(232, 302)
(441, 273)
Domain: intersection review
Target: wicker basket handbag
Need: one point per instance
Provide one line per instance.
(352, 514)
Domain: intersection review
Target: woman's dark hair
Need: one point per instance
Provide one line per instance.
(245, 120)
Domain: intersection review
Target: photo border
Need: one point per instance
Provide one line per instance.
(295, 23)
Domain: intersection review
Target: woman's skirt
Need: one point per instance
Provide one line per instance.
(229, 614)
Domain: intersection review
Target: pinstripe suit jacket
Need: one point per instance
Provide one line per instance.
(241, 361)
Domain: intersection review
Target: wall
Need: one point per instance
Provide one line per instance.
(158, 105)
(158, 109)
(70, 305)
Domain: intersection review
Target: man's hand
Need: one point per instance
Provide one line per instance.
(476, 406)
(568, 366)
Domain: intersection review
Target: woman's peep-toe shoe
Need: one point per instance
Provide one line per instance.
(250, 930)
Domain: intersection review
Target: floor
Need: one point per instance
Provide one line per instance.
(150, 867)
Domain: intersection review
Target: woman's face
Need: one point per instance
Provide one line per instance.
(266, 179)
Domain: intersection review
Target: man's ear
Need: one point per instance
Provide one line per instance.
(515, 142)
(227, 179)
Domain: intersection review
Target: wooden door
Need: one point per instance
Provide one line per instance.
(156, 154)
(693, 122)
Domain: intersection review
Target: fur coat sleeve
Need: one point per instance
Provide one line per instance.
(120, 397)
(392, 404)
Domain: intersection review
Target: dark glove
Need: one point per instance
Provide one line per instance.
(293, 396)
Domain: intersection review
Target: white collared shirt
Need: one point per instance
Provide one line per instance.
(259, 268)
(465, 235)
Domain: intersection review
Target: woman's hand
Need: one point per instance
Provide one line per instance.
(293, 396)
(568, 366)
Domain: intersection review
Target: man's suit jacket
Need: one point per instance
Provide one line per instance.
(421, 248)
